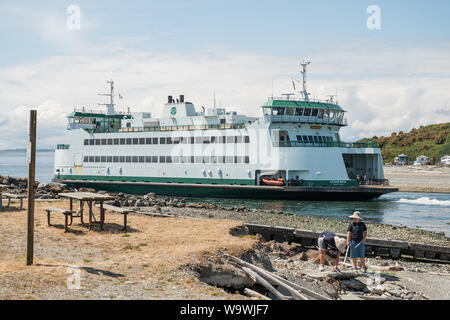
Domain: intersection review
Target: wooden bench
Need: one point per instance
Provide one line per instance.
(10, 196)
(66, 213)
(123, 211)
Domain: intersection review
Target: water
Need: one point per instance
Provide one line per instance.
(14, 164)
(427, 211)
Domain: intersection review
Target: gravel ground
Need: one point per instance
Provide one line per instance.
(309, 223)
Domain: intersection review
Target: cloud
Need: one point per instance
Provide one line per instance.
(383, 91)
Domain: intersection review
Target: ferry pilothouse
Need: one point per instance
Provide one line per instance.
(293, 151)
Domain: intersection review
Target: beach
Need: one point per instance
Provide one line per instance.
(167, 258)
(419, 178)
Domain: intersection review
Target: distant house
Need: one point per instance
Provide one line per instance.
(445, 160)
(401, 160)
(421, 160)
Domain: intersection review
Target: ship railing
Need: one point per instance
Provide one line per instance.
(83, 110)
(307, 119)
(173, 128)
(296, 99)
(332, 144)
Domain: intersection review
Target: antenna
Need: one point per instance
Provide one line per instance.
(304, 93)
(288, 95)
(214, 98)
(110, 105)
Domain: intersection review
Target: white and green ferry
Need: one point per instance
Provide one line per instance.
(293, 151)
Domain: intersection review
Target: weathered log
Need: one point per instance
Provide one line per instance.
(253, 294)
(275, 279)
(260, 280)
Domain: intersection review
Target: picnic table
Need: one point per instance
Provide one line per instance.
(89, 198)
(10, 196)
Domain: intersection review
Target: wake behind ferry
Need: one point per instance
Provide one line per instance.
(293, 151)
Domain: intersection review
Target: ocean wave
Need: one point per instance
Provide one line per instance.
(426, 201)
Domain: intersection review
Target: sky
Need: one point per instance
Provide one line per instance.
(390, 78)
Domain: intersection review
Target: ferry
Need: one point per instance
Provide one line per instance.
(293, 151)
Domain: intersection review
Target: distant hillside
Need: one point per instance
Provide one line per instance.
(432, 141)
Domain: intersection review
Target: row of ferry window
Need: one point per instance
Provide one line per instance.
(309, 139)
(167, 140)
(167, 159)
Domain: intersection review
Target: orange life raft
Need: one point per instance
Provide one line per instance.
(273, 182)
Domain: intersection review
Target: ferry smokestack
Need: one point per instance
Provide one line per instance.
(181, 98)
(169, 99)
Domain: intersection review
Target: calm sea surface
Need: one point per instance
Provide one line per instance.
(428, 211)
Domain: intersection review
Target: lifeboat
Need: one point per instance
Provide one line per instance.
(273, 182)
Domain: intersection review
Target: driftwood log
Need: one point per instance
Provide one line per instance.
(260, 280)
(297, 291)
(253, 294)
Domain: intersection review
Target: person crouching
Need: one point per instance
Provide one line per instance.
(328, 241)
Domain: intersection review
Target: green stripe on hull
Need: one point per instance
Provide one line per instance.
(248, 182)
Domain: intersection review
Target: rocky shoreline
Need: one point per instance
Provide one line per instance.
(180, 207)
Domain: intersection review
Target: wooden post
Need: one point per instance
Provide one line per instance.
(31, 155)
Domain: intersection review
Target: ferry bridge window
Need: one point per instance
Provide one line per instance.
(198, 140)
(122, 140)
(148, 140)
(134, 159)
(148, 159)
(141, 159)
(230, 139)
(213, 159)
(162, 140)
(206, 140)
(122, 159)
(169, 159)
(229, 159)
(110, 141)
(129, 140)
(299, 138)
(162, 159)
(299, 111)
(115, 158)
(169, 140)
(97, 158)
(222, 121)
(239, 139)
(103, 142)
(237, 159)
(307, 112)
(141, 140)
(86, 159)
(290, 111)
(222, 139)
(135, 141)
(247, 159)
(320, 138)
(316, 139)
(91, 142)
(183, 159)
(97, 142)
(310, 138)
(278, 111)
(116, 141)
(205, 159)
(128, 159)
(155, 140)
(155, 159)
(176, 140)
(198, 159)
(191, 159)
(320, 114)
(314, 112)
(175, 159)
(213, 139)
(86, 142)
(109, 159)
(91, 158)
(246, 139)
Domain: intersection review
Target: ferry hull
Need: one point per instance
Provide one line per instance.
(356, 193)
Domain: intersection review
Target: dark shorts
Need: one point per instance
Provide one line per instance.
(357, 250)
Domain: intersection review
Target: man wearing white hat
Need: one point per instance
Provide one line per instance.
(329, 240)
(356, 236)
